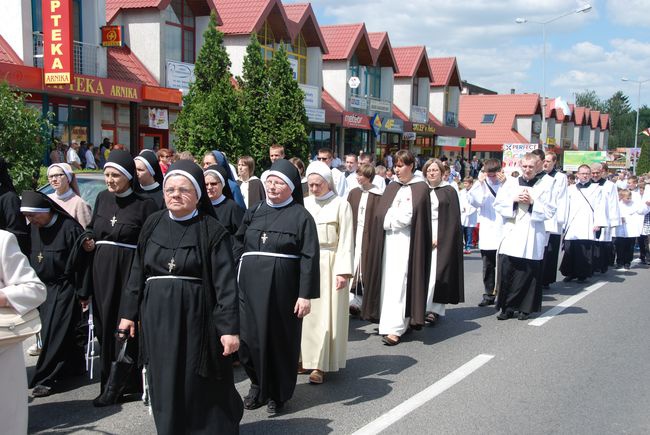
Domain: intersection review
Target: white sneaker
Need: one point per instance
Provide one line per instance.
(34, 350)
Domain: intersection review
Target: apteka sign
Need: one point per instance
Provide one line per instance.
(57, 42)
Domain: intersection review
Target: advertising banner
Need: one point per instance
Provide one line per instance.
(618, 158)
(57, 42)
(356, 120)
(450, 141)
(573, 159)
(158, 118)
(512, 154)
(179, 74)
(312, 96)
(419, 114)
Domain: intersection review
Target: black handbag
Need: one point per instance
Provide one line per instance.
(118, 377)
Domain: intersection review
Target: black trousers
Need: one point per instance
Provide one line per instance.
(489, 266)
(624, 250)
(643, 247)
(550, 263)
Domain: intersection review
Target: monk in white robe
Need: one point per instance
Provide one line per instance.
(325, 329)
(21, 290)
(603, 247)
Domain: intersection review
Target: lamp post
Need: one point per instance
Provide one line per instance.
(638, 109)
(582, 9)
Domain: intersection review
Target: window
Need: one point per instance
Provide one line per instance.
(373, 81)
(296, 51)
(180, 32)
(37, 18)
(416, 90)
(354, 72)
(488, 118)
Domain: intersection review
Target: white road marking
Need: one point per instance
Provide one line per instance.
(548, 315)
(424, 396)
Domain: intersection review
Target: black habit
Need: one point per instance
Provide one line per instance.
(11, 219)
(182, 319)
(269, 286)
(450, 284)
(115, 220)
(55, 260)
(419, 255)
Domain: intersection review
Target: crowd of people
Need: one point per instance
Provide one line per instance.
(191, 265)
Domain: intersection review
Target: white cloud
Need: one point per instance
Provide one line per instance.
(629, 12)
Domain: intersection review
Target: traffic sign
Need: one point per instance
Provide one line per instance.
(354, 82)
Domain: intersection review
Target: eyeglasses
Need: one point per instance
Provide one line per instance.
(55, 176)
(184, 191)
(322, 159)
(278, 183)
(216, 183)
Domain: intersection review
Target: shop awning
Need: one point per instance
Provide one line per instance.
(445, 130)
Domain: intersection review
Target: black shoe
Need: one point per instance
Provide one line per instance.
(107, 398)
(274, 406)
(505, 314)
(568, 278)
(627, 266)
(486, 301)
(545, 287)
(523, 316)
(581, 280)
(250, 400)
(41, 391)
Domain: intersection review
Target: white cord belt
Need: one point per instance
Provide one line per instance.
(270, 254)
(189, 278)
(121, 245)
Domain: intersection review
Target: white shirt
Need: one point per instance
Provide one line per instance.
(72, 157)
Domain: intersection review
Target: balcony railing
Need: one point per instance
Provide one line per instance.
(85, 58)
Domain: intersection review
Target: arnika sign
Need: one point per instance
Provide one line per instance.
(57, 42)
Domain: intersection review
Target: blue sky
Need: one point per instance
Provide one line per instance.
(584, 51)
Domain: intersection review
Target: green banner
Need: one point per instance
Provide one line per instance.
(573, 159)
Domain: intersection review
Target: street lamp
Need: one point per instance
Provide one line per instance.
(638, 109)
(582, 9)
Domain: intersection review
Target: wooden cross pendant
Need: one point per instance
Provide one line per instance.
(113, 221)
(40, 257)
(171, 265)
(264, 238)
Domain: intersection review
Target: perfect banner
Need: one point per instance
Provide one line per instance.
(512, 154)
(57, 42)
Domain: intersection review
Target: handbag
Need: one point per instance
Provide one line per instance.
(120, 372)
(15, 328)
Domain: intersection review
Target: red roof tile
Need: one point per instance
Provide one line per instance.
(443, 69)
(7, 54)
(506, 108)
(333, 110)
(244, 17)
(344, 40)
(412, 62)
(125, 66)
(580, 115)
(604, 121)
(595, 119)
(113, 7)
(382, 50)
(301, 18)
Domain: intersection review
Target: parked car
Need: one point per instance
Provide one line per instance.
(90, 184)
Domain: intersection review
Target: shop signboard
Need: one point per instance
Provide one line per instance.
(112, 36)
(179, 74)
(409, 135)
(393, 125)
(315, 115)
(99, 87)
(419, 114)
(356, 120)
(375, 124)
(450, 141)
(158, 118)
(512, 154)
(358, 102)
(424, 128)
(312, 97)
(380, 106)
(57, 42)
(573, 159)
(354, 82)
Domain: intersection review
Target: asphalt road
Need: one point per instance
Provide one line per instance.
(583, 371)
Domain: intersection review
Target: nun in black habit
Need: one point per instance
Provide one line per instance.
(10, 218)
(113, 233)
(228, 212)
(150, 177)
(61, 266)
(182, 289)
(278, 275)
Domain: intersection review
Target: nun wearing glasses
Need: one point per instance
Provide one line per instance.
(182, 289)
(112, 235)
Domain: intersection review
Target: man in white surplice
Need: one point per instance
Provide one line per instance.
(603, 247)
(525, 203)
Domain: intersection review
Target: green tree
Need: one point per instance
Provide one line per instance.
(211, 117)
(23, 137)
(288, 124)
(643, 165)
(621, 120)
(254, 87)
(589, 98)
